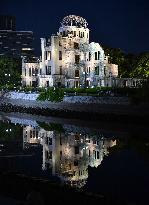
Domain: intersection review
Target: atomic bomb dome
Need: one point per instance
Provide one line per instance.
(73, 20)
(70, 60)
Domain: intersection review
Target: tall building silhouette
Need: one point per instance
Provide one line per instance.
(7, 23)
(14, 43)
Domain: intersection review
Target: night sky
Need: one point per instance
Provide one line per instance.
(116, 23)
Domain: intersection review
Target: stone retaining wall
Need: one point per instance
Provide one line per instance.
(97, 100)
(71, 99)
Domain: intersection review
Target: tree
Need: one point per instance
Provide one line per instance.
(116, 56)
(10, 71)
(141, 68)
(52, 94)
(129, 65)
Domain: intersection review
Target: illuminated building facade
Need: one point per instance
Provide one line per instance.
(70, 60)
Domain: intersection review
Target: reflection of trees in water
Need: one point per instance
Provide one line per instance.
(135, 141)
(9, 131)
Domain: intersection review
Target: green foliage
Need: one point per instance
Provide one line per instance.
(80, 90)
(141, 68)
(69, 90)
(10, 71)
(10, 131)
(51, 126)
(52, 94)
(130, 65)
(116, 56)
(101, 91)
(141, 95)
(42, 96)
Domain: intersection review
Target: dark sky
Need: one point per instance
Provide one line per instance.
(117, 23)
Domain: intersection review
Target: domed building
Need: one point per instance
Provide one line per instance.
(69, 59)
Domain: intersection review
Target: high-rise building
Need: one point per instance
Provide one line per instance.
(14, 43)
(7, 23)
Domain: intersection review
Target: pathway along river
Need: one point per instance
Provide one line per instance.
(112, 162)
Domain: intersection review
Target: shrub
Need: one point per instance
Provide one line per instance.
(42, 96)
(55, 94)
(52, 94)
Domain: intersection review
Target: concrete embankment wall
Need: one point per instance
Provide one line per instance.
(70, 99)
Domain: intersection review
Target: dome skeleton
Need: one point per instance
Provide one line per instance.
(73, 19)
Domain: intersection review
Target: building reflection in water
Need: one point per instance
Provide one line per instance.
(68, 154)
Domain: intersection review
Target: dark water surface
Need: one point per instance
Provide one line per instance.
(108, 162)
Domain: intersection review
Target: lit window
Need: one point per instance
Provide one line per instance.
(26, 49)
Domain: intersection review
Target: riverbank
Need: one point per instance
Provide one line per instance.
(89, 108)
(93, 111)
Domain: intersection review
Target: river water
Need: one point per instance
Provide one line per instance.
(110, 162)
